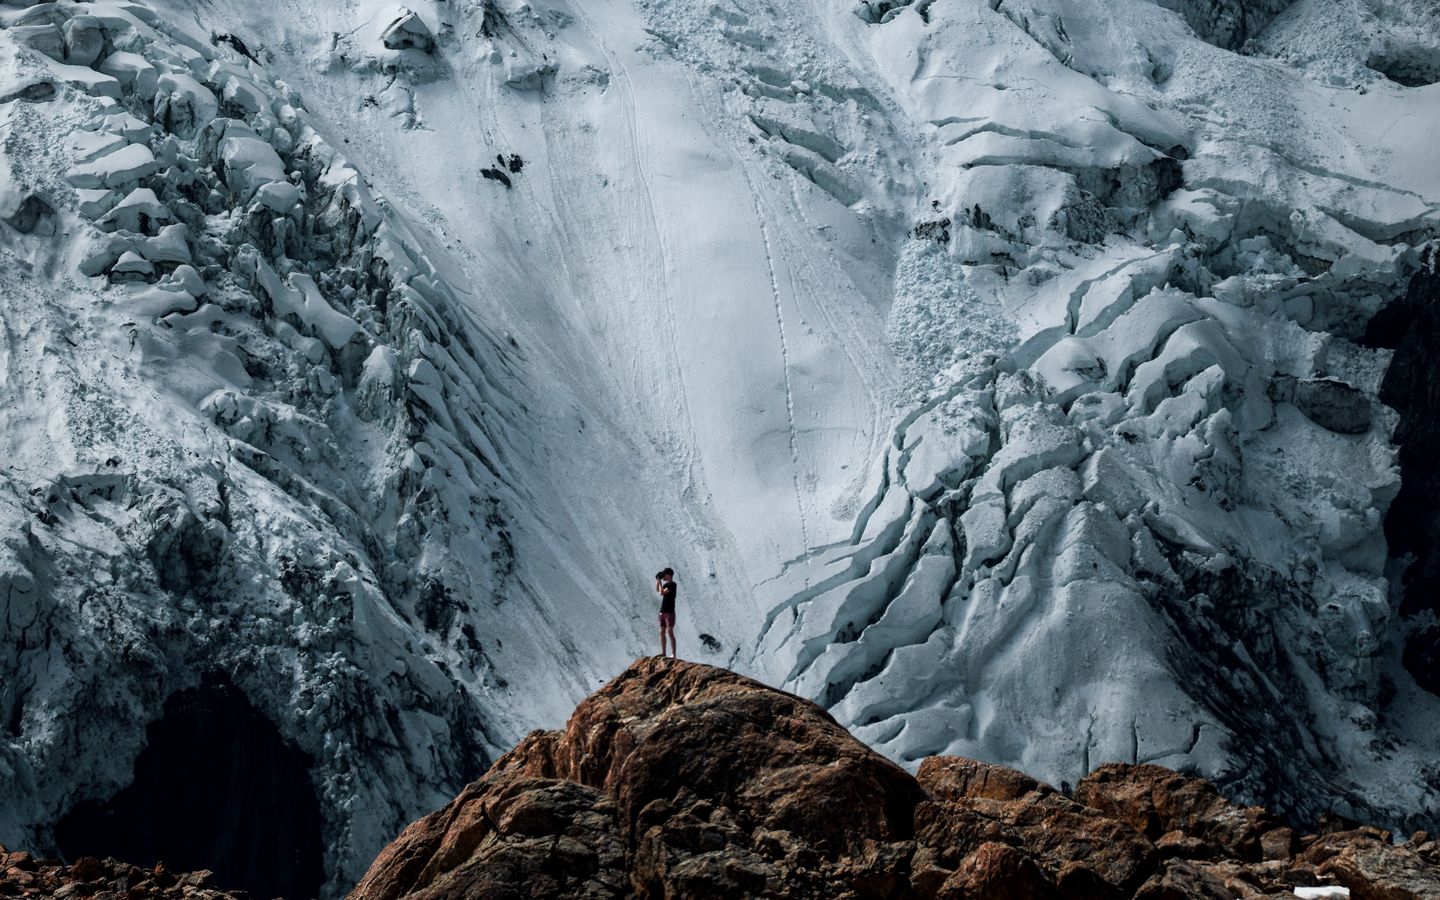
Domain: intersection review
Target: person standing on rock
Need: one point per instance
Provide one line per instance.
(665, 587)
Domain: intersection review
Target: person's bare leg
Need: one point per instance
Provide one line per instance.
(674, 653)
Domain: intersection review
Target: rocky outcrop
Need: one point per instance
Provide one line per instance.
(682, 780)
(23, 875)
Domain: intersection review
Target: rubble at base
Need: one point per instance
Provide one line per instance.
(23, 875)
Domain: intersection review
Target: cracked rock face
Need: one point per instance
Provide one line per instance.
(678, 779)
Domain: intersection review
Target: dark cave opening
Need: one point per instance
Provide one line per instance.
(1407, 66)
(1411, 326)
(217, 788)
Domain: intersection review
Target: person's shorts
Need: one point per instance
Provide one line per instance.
(667, 620)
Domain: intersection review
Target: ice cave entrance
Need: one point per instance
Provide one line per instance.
(216, 788)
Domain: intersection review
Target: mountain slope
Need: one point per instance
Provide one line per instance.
(994, 374)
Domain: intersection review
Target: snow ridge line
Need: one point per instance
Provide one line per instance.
(784, 363)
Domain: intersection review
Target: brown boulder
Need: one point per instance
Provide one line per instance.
(998, 871)
(1180, 880)
(778, 761)
(977, 803)
(692, 781)
(1154, 801)
(956, 778)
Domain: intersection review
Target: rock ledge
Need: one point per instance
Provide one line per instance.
(683, 780)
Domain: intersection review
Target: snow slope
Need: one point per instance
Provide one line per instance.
(990, 371)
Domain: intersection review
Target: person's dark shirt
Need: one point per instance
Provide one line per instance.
(667, 597)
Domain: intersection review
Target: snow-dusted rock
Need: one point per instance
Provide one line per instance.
(84, 40)
(182, 104)
(247, 162)
(96, 202)
(131, 263)
(87, 146)
(116, 169)
(278, 196)
(126, 125)
(136, 212)
(133, 71)
(171, 244)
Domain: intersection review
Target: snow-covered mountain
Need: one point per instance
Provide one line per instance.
(1004, 375)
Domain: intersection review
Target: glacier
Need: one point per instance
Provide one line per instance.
(1006, 375)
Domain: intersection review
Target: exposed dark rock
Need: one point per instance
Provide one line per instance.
(937, 230)
(235, 43)
(496, 175)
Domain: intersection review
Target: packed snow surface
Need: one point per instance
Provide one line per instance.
(990, 372)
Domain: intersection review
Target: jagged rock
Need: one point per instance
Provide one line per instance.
(1372, 868)
(682, 780)
(723, 785)
(1157, 801)
(1412, 526)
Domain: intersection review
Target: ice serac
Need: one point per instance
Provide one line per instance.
(249, 432)
(1152, 509)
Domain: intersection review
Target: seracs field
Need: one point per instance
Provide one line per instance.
(1003, 376)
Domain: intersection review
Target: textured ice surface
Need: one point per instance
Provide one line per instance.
(987, 371)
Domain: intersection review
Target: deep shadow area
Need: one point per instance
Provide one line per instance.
(216, 788)
(1411, 325)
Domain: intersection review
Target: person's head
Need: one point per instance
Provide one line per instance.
(667, 574)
